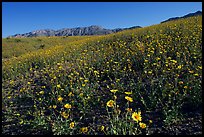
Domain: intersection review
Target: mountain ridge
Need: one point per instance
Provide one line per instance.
(77, 31)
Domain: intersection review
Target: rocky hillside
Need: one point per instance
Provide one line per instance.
(79, 31)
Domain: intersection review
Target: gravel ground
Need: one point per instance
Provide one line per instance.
(190, 125)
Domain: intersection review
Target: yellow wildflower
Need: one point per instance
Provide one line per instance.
(67, 106)
(84, 129)
(129, 109)
(110, 103)
(180, 82)
(142, 125)
(42, 92)
(43, 86)
(137, 116)
(102, 128)
(117, 80)
(113, 90)
(150, 72)
(86, 80)
(128, 93)
(65, 115)
(70, 94)
(200, 67)
(96, 72)
(71, 125)
(129, 98)
(60, 99)
(81, 78)
(191, 71)
(81, 94)
(58, 86)
(179, 67)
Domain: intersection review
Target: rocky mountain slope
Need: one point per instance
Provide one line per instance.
(79, 31)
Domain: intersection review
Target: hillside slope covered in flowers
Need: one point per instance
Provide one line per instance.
(123, 83)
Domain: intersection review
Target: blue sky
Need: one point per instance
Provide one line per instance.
(22, 17)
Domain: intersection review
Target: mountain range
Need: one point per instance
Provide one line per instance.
(79, 31)
(91, 30)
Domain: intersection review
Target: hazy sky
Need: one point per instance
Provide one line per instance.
(22, 17)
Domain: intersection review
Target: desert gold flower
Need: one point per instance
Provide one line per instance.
(142, 125)
(41, 92)
(150, 72)
(83, 85)
(158, 58)
(43, 86)
(129, 109)
(113, 90)
(68, 106)
(180, 82)
(81, 94)
(60, 99)
(137, 116)
(86, 80)
(54, 106)
(110, 103)
(65, 115)
(185, 87)
(117, 80)
(96, 72)
(179, 67)
(128, 93)
(102, 128)
(81, 78)
(71, 125)
(84, 129)
(58, 86)
(70, 94)
(129, 98)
